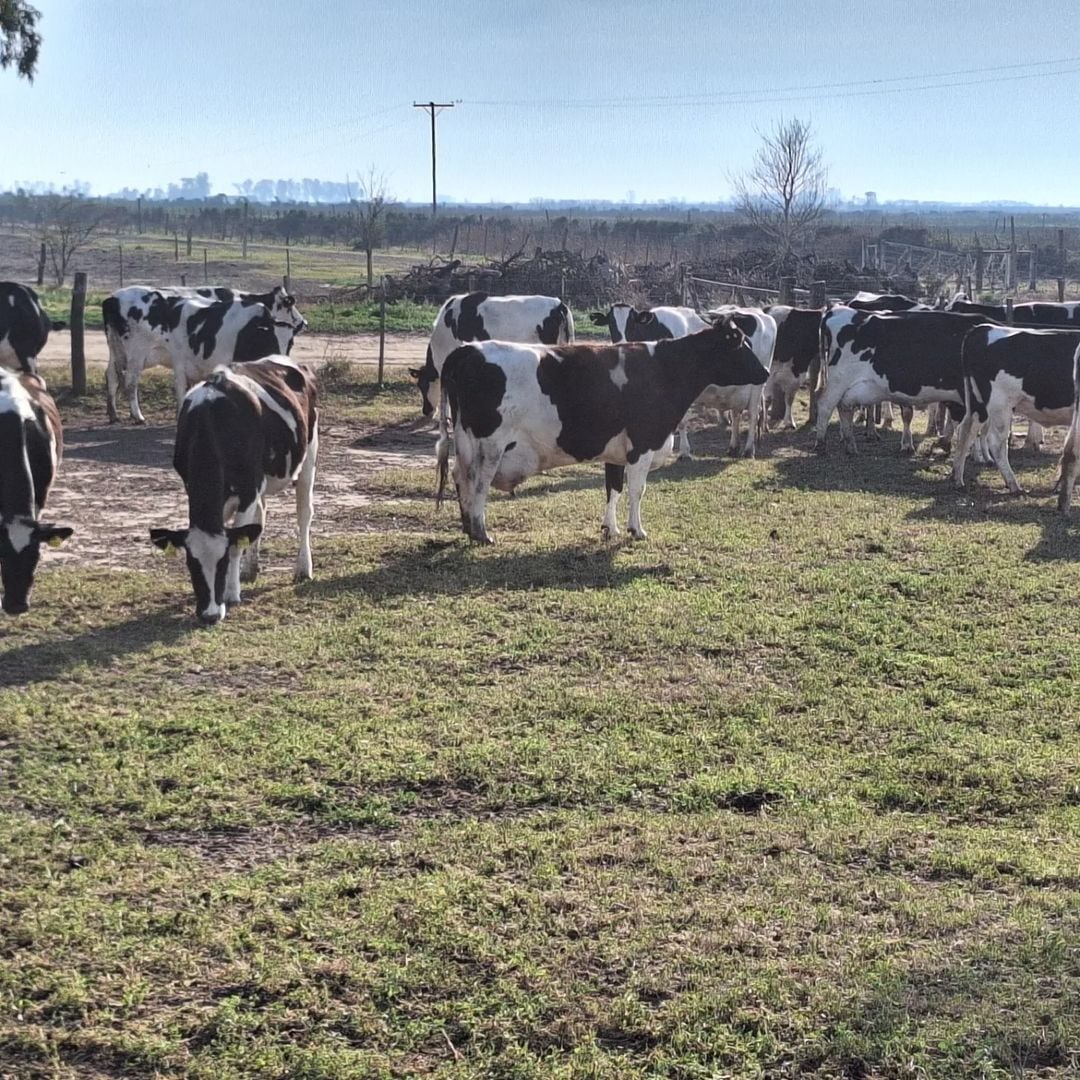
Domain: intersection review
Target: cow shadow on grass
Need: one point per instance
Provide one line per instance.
(40, 662)
(456, 568)
(151, 446)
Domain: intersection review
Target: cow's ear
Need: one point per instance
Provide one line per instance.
(241, 535)
(53, 535)
(598, 318)
(169, 540)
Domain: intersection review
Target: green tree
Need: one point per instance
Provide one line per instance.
(19, 40)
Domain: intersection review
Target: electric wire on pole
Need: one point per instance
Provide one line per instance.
(430, 107)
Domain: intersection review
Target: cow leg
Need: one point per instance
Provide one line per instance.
(1034, 438)
(179, 385)
(907, 439)
(112, 387)
(475, 466)
(248, 562)
(826, 404)
(872, 414)
(1069, 459)
(636, 476)
(305, 490)
(967, 434)
(131, 379)
(884, 414)
(754, 413)
(1000, 426)
(684, 441)
(613, 485)
(847, 427)
(736, 425)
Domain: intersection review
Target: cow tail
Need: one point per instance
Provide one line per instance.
(567, 336)
(442, 447)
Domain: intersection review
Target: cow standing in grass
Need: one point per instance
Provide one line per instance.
(31, 445)
(521, 409)
(246, 432)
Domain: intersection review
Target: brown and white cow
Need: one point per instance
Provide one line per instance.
(248, 431)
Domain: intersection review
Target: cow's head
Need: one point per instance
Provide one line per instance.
(626, 323)
(20, 549)
(285, 313)
(208, 557)
(427, 381)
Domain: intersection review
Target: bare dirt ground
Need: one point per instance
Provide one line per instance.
(401, 349)
(117, 480)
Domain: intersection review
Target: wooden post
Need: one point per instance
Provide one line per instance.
(970, 295)
(121, 247)
(1033, 267)
(1012, 275)
(288, 270)
(78, 352)
(817, 294)
(183, 281)
(787, 289)
(382, 326)
(140, 216)
(176, 246)
(41, 265)
(1009, 311)
(862, 263)
(205, 269)
(980, 269)
(244, 238)
(189, 241)
(1061, 266)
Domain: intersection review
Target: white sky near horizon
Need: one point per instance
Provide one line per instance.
(558, 99)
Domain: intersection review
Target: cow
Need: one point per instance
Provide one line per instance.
(248, 431)
(869, 301)
(1070, 454)
(909, 357)
(520, 409)
(1011, 369)
(543, 320)
(31, 445)
(193, 331)
(24, 326)
(1041, 313)
(798, 344)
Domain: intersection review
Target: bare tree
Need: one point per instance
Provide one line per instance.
(371, 209)
(783, 192)
(19, 40)
(67, 224)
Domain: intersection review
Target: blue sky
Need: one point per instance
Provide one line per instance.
(587, 99)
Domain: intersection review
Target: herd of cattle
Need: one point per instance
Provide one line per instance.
(520, 396)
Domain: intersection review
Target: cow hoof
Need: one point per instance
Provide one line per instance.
(733, 451)
(638, 534)
(249, 573)
(819, 448)
(750, 452)
(232, 601)
(302, 575)
(685, 455)
(140, 420)
(907, 451)
(608, 533)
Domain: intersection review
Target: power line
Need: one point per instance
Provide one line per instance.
(795, 93)
(430, 107)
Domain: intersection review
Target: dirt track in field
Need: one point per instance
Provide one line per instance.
(117, 480)
(401, 349)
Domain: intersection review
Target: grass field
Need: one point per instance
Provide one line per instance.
(789, 790)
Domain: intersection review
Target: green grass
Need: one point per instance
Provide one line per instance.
(789, 790)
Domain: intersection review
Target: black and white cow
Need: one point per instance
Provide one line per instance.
(870, 301)
(31, 445)
(1034, 313)
(908, 357)
(543, 320)
(521, 409)
(192, 331)
(24, 326)
(1013, 370)
(1070, 454)
(798, 344)
(248, 431)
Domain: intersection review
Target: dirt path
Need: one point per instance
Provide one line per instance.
(118, 480)
(401, 349)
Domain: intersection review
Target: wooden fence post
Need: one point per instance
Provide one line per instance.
(41, 265)
(1009, 311)
(1033, 267)
(244, 238)
(78, 352)
(121, 247)
(183, 281)
(382, 326)
(787, 290)
(980, 269)
(1061, 266)
(288, 270)
(189, 241)
(205, 269)
(176, 246)
(1012, 275)
(817, 294)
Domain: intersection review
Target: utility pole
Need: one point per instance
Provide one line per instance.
(430, 107)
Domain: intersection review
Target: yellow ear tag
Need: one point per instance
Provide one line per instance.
(243, 541)
(170, 549)
(55, 541)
